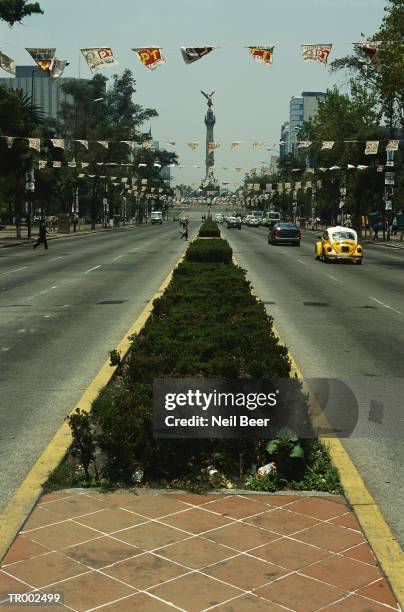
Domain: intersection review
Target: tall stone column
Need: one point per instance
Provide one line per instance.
(210, 121)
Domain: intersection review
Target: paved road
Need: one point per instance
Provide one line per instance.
(61, 312)
(348, 322)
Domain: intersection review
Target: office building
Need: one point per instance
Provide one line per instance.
(284, 146)
(47, 93)
(301, 108)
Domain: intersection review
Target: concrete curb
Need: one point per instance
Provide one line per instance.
(21, 504)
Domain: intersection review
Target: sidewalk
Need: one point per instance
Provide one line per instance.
(156, 551)
(8, 238)
(394, 242)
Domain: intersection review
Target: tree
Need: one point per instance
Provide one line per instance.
(14, 11)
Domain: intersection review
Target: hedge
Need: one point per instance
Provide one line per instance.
(210, 251)
(209, 229)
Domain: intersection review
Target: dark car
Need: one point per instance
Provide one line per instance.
(285, 233)
(234, 222)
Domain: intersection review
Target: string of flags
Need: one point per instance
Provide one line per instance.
(152, 57)
(371, 146)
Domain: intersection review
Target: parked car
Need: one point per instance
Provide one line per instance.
(285, 233)
(339, 244)
(233, 222)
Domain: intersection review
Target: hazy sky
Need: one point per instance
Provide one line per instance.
(251, 100)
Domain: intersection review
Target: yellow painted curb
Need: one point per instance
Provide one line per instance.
(19, 507)
(377, 532)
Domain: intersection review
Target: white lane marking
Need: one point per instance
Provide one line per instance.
(119, 257)
(302, 262)
(55, 258)
(397, 258)
(21, 331)
(5, 348)
(66, 306)
(385, 305)
(333, 278)
(91, 269)
(16, 270)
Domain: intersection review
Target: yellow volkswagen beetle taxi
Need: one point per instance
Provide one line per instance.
(339, 243)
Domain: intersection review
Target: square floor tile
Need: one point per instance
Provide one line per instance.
(274, 500)
(237, 507)
(46, 569)
(353, 603)
(196, 552)
(330, 537)
(140, 601)
(363, 553)
(300, 593)
(347, 520)
(246, 603)
(57, 495)
(196, 499)
(318, 507)
(241, 536)
(40, 517)
(155, 506)
(23, 548)
(145, 571)
(92, 590)
(101, 552)
(196, 521)
(379, 591)
(115, 499)
(8, 584)
(111, 519)
(195, 592)
(343, 572)
(62, 534)
(282, 521)
(289, 553)
(245, 572)
(76, 505)
(151, 536)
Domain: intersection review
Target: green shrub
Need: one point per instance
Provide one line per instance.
(209, 229)
(210, 251)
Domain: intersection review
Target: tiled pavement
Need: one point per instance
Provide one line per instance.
(159, 551)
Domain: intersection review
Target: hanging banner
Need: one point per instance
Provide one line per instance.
(380, 169)
(57, 164)
(263, 54)
(58, 143)
(310, 170)
(319, 183)
(253, 170)
(213, 145)
(258, 143)
(308, 184)
(268, 187)
(71, 164)
(34, 143)
(238, 169)
(130, 143)
(392, 145)
(327, 144)
(148, 144)
(7, 64)
(83, 143)
(193, 145)
(10, 141)
(151, 57)
(43, 57)
(235, 144)
(81, 175)
(193, 54)
(316, 53)
(103, 143)
(304, 144)
(298, 185)
(42, 164)
(85, 164)
(368, 51)
(169, 142)
(256, 186)
(372, 146)
(58, 68)
(99, 57)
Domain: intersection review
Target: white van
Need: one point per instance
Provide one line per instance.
(156, 217)
(219, 218)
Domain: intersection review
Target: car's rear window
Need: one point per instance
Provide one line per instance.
(343, 236)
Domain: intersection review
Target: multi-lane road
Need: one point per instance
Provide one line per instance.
(63, 310)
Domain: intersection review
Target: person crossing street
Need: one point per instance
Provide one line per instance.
(42, 235)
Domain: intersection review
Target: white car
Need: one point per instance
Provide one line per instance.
(253, 222)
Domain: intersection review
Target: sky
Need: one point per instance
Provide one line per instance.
(251, 101)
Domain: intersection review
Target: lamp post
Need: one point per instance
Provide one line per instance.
(29, 188)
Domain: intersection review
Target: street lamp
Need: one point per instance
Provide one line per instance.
(30, 188)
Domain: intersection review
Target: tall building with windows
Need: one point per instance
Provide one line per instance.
(47, 94)
(301, 109)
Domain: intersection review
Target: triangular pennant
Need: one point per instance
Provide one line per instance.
(368, 51)
(7, 64)
(10, 141)
(235, 144)
(147, 144)
(42, 163)
(85, 164)
(304, 144)
(372, 147)
(213, 145)
(84, 143)
(58, 143)
(99, 57)
(103, 143)
(316, 53)
(193, 54)
(151, 57)
(263, 54)
(392, 145)
(130, 143)
(71, 164)
(57, 164)
(327, 144)
(43, 57)
(193, 145)
(258, 143)
(58, 68)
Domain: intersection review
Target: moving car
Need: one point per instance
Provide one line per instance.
(339, 243)
(273, 218)
(156, 217)
(285, 233)
(252, 221)
(234, 222)
(219, 218)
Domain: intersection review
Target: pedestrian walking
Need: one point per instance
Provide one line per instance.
(376, 229)
(42, 235)
(184, 233)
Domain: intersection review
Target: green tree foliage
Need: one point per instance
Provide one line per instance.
(14, 11)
